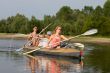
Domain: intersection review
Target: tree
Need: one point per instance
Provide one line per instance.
(17, 23)
(65, 14)
(104, 28)
(72, 21)
(97, 17)
(107, 8)
(88, 10)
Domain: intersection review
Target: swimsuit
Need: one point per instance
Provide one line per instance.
(55, 41)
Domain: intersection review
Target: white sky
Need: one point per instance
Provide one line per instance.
(39, 8)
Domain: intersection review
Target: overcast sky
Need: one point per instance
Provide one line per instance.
(39, 8)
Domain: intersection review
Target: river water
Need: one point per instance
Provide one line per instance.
(96, 60)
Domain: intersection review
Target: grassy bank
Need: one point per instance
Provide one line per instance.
(86, 39)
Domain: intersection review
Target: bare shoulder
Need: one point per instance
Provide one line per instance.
(62, 36)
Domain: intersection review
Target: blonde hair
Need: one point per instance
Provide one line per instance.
(56, 29)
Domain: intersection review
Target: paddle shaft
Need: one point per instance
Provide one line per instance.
(89, 32)
(44, 29)
(31, 51)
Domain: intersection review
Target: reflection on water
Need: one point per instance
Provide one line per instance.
(11, 62)
(51, 65)
(14, 63)
(96, 60)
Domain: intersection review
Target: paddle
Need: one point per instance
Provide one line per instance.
(30, 40)
(37, 48)
(89, 32)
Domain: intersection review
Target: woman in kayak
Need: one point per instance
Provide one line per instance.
(34, 37)
(55, 39)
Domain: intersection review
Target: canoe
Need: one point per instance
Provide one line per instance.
(67, 52)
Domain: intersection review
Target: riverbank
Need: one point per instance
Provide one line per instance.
(100, 40)
(85, 39)
(13, 36)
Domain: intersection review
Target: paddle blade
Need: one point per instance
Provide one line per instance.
(90, 32)
(19, 49)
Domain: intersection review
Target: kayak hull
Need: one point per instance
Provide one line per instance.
(66, 52)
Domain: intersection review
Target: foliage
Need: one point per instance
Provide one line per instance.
(73, 21)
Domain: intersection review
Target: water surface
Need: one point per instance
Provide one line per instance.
(96, 60)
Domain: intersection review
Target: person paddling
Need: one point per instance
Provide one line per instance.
(34, 37)
(55, 38)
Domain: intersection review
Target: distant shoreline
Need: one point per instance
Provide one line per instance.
(96, 40)
(85, 39)
(13, 36)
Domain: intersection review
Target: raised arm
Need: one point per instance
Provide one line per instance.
(63, 37)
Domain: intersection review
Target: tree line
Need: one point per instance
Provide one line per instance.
(72, 21)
